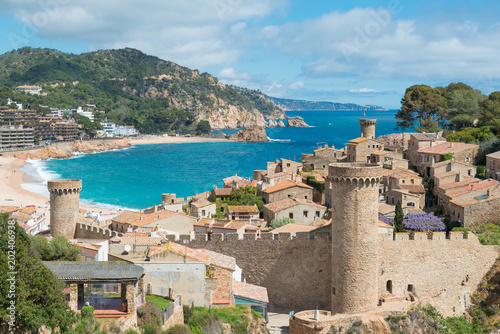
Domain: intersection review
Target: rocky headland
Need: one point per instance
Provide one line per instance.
(253, 134)
(66, 150)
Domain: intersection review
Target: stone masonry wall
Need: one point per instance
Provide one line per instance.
(444, 272)
(84, 231)
(224, 283)
(297, 272)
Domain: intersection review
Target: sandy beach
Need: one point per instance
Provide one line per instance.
(11, 177)
(170, 140)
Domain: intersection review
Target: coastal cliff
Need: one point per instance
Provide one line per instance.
(253, 134)
(65, 150)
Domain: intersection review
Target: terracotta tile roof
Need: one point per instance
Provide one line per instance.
(9, 209)
(413, 188)
(295, 162)
(279, 174)
(425, 136)
(204, 222)
(448, 148)
(294, 228)
(250, 291)
(200, 255)
(181, 250)
(398, 171)
(385, 225)
(222, 301)
(380, 153)
(139, 219)
(464, 182)
(285, 185)
(220, 260)
(472, 187)
(242, 208)
(290, 202)
(202, 195)
(201, 203)
(21, 215)
(358, 140)
(235, 177)
(234, 224)
(254, 183)
(223, 191)
(28, 209)
(471, 201)
(495, 155)
(89, 246)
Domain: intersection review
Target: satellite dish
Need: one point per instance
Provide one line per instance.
(128, 248)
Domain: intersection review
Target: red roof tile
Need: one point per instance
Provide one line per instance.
(285, 185)
(448, 148)
(250, 291)
(243, 208)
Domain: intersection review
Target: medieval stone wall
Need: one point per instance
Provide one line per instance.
(297, 272)
(84, 231)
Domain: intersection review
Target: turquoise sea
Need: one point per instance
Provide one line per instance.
(136, 177)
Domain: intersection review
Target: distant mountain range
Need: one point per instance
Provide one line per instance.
(298, 105)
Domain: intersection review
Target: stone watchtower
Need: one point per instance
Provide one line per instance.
(368, 128)
(64, 206)
(354, 197)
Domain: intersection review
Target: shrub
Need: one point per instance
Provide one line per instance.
(150, 315)
(278, 222)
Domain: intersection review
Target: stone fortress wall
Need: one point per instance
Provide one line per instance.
(298, 271)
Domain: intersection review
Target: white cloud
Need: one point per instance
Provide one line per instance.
(194, 33)
(364, 90)
(374, 43)
(296, 85)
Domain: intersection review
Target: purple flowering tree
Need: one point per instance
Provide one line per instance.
(423, 222)
(386, 220)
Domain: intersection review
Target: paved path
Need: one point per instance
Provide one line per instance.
(278, 320)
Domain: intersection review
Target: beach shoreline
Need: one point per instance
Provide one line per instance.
(13, 177)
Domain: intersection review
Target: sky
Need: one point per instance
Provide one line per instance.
(364, 52)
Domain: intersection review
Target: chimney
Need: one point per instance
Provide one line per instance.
(452, 166)
(488, 192)
(472, 186)
(459, 176)
(451, 144)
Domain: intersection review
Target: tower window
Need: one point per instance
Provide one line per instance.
(389, 286)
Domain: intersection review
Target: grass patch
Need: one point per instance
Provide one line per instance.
(205, 320)
(160, 302)
(488, 233)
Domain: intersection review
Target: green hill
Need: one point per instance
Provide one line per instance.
(299, 105)
(132, 88)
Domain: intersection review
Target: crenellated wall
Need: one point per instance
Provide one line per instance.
(297, 272)
(85, 231)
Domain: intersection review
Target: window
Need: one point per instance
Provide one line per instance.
(410, 204)
(305, 214)
(290, 215)
(333, 291)
(402, 181)
(411, 288)
(393, 200)
(412, 181)
(324, 166)
(288, 164)
(467, 159)
(202, 212)
(389, 286)
(317, 213)
(305, 197)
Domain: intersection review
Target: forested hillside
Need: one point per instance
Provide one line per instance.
(132, 88)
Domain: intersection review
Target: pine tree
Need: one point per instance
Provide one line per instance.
(398, 219)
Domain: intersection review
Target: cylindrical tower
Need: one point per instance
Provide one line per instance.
(354, 196)
(64, 206)
(368, 128)
(168, 198)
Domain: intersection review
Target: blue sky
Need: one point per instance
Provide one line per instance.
(364, 52)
